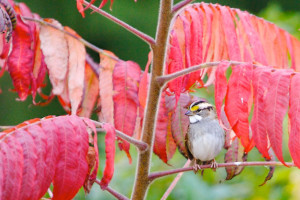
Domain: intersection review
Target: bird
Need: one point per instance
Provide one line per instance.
(205, 137)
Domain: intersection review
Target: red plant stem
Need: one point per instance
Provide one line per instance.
(131, 29)
(113, 192)
(169, 77)
(156, 175)
(142, 146)
(180, 5)
(86, 43)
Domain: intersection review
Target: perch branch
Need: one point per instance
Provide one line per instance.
(156, 175)
(180, 5)
(142, 146)
(167, 78)
(86, 43)
(131, 29)
(113, 192)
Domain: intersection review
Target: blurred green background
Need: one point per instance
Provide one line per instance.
(143, 15)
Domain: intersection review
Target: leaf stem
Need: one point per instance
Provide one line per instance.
(113, 192)
(86, 43)
(169, 77)
(180, 5)
(94, 66)
(142, 146)
(156, 175)
(131, 29)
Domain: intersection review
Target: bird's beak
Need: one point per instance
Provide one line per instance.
(188, 113)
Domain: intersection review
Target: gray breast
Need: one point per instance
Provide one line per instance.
(206, 139)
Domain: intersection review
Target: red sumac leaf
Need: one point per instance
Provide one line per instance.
(174, 64)
(126, 76)
(258, 125)
(220, 86)
(143, 88)
(164, 145)
(20, 60)
(237, 102)
(110, 151)
(294, 116)
(277, 98)
(39, 152)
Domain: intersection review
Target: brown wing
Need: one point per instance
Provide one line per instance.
(187, 147)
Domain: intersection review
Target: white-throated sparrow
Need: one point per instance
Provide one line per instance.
(205, 137)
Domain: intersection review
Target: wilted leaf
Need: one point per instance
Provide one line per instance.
(76, 70)
(56, 52)
(106, 88)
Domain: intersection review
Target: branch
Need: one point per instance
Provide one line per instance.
(5, 127)
(86, 43)
(142, 146)
(94, 66)
(113, 192)
(156, 175)
(167, 78)
(131, 29)
(180, 5)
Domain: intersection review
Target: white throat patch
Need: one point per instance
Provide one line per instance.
(195, 118)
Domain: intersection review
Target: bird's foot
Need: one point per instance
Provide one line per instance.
(196, 167)
(214, 165)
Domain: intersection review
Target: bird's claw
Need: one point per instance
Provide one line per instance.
(196, 167)
(214, 164)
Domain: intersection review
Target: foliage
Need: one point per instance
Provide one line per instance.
(262, 59)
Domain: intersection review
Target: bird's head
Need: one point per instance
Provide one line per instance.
(199, 110)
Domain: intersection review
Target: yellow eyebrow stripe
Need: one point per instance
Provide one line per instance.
(194, 108)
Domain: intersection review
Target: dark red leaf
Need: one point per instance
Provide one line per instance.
(164, 146)
(110, 151)
(277, 98)
(258, 125)
(237, 102)
(294, 116)
(235, 153)
(180, 121)
(126, 76)
(20, 60)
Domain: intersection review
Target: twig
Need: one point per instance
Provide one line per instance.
(86, 43)
(167, 78)
(113, 192)
(5, 127)
(95, 66)
(180, 5)
(142, 146)
(156, 175)
(131, 29)
(175, 181)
